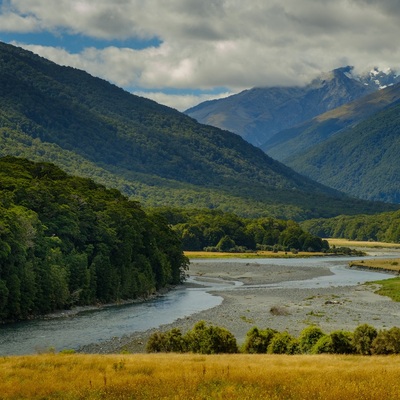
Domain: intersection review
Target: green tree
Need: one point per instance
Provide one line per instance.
(210, 339)
(282, 343)
(257, 341)
(226, 244)
(363, 336)
(308, 337)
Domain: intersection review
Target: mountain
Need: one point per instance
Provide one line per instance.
(150, 152)
(259, 113)
(291, 143)
(362, 159)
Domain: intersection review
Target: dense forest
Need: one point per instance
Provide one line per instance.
(151, 153)
(213, 230)
(383, 227)
(360, 160)
(68, 241)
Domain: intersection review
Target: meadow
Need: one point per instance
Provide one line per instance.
(189, 376)
(338, 242)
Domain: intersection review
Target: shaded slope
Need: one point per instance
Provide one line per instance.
(149, 151)
(288, 144)
(362, 160)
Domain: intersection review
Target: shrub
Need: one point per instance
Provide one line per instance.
(387, 342)
(308, 337)
(323, 345)
(342, 342)
(257, 341)
(171, 341)
(281, 343)
(338, 342)
(363, 337)
(210, 340)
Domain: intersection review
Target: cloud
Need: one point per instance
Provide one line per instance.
(214, 43)
(180, 101)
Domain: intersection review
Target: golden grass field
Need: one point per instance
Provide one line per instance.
(189, 376)
(364, 244)
(386, 264)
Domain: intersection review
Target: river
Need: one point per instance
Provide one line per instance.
(95, 326)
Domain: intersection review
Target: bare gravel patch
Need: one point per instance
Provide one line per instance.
(333, 308)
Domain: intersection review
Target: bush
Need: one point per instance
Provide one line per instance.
(308, 337)
(281, 343)
(257, 341)
(363, 337)
(387, 342)
(171, 341)
(323, 345)
(338, 342)
(210, 340)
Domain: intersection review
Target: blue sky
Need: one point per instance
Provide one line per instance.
(182, 52)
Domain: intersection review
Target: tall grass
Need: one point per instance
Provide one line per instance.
(188, 376)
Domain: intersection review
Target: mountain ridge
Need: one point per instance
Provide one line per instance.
(154, 153)
(291, 142)
(360, 160)
(259, 113)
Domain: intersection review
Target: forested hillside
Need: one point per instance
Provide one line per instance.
(383, 227)
(150, 152)
(292, 143)
(361, 161)
(68, 241)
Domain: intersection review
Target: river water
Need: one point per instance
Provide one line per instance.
(94, 326)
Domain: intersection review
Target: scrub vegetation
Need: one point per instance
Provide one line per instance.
(209, 339)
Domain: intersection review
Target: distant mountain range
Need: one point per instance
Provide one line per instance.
(291, 143)
(150, 152)
(356, 147)
(258, 114)
(324, 130)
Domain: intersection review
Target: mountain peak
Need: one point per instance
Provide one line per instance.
(258, 114)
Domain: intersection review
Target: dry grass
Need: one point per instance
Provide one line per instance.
(199, 377)
(356, 244)
(392, 264)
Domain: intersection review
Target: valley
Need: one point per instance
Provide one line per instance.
(199, 200)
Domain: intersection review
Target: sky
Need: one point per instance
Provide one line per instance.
(183, 52)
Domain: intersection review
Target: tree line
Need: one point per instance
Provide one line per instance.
(384, 227)
(213, 230)
(67, 241)
(210, 339)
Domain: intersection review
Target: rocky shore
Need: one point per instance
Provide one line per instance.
(283, 309)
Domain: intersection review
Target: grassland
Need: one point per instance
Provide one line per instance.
(392, 264)
(161, 376)
(363, 244)
(389, 288)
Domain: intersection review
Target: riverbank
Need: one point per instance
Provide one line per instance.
(283, 309)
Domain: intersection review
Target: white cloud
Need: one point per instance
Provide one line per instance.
(216, 43)
(180, 101)
(11, 22)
